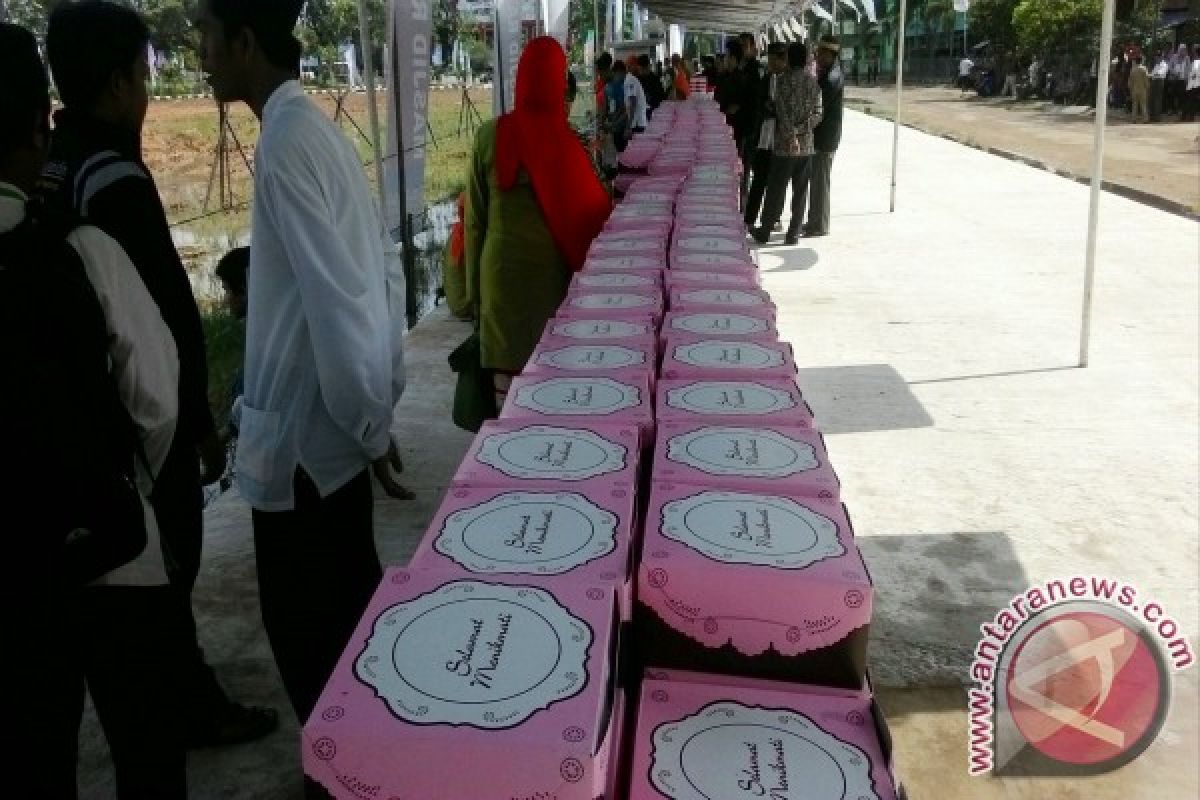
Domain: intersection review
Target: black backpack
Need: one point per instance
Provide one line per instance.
(69, 508)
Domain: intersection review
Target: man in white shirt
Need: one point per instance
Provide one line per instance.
(964, 74)
(635, 99)
(321, 377)
(84, 311)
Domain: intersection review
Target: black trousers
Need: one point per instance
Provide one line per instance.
(120, 644)
(786, 171)
(760, 165)
(317, 570)
(179, 508)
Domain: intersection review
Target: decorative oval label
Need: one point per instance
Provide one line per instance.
(730, 398)
(624, 244)
(728, 355)
(561, 454)
(592, 357)
(710, 244)
(710, 260)
(471, 653)
(709, 216)
(590, 396)
(722, 297)
(623, 262)
(604, 280)
(600, 329)
(729, 750)
(611, 300)
(528, 533)
(742, 452)
(712, 277)
(705, 323)
(763, 530)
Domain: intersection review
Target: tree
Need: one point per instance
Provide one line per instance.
(992, 21)
(445, 26)
(938, 16)
(30, 14)
(1056, 26)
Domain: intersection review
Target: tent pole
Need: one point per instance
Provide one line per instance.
(1102, 60)
(364, 28)
(899, 94)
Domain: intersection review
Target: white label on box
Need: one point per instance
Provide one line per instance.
(709, 216)
(711, 260)
(705, 323)
(528, 533)
(728, 355)
(721, 297)
(622, 245)
(571, 396)
(600, 329)
(728, 750)
(623, 262)
(730, 397)
(592, 357)
(762, 530)
(611, 300)
(685, 276)
(561, 454)
(710, 244)
(603, 280)
(476, 654)
(742, 452)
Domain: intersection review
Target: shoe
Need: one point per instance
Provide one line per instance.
(791, 238)
(761, 235)
(808, 234)
(778, 226)
(235, 724)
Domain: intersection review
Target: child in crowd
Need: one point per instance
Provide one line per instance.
(232, 272)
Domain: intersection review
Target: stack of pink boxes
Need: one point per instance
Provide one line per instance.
(655, 497)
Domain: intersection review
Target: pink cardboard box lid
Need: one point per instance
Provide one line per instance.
(729, 298)
(740, 323)
(441, 667)
(685, 278)
(776, 402)
(660, 224)
(756, 571)
(691, 356)
(621, 302)
(653, 232)
(623, 245)
(779, 459)
(511, 453)
(713, 261)
(723, 241)
(571, 399)
(611, 261)
(562, 356)
(584, 532)
(698, 741)
(602, 280)
(706, 215)
(600, 328)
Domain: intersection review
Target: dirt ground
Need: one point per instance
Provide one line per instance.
(1159, 159)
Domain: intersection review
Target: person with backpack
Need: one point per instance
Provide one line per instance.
(88, 421)
(97, 55)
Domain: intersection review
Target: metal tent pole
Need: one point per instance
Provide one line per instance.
(364, 35)
(1102, 60)
(899, 95)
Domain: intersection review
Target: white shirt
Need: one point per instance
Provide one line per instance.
(964, 67)
(635, 95)
(144, 362)
(323, 370)
(1194, 76)
(1159, 71)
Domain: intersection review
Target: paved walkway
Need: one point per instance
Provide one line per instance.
(938, 354)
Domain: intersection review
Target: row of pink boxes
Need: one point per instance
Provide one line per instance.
(655, 495)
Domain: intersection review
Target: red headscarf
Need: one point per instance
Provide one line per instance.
(535, 137)
(458, 233)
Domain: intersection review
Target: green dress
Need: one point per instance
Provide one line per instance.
(515, 275)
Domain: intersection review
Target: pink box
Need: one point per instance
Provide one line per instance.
(512, 453)
(570, 400)
(734, 402)
(713, 261)
(751, 456)
(561, 356)
(720, 358)
(635, 302)
(728, 230)
(686, 278)
(705, 215)
(740, 323)
(619, 244)
(445, 679)
(717, 739)
(604, 281)
(611, 261)
(727, 243)
(763, 585)
(600, 328)
(683, 298)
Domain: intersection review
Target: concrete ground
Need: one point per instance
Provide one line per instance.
(939, 353)
(1160, 160)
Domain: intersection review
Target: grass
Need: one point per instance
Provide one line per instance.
(226, 340)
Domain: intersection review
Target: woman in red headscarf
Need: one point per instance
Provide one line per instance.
(534, 204)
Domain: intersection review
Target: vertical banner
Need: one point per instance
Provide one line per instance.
(675, 40)
(618, 24)
(637, 22)
(557, 21)
(506, 50)
(410, 33)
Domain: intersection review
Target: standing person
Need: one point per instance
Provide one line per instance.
(1158, 82)
(747, 116)
(233, 271)
(762, 153)
(636, 107)
(603, 76)
(965, 66)
(97, 53)
(797, 113)
(1139, 90)
(681, 78)
(620, 121)
(87, 432)
(651, 85)
(1178, 67)
(827, 135)
(1009, 67)
(1191, 100)
(322, 371)
(533, 207)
